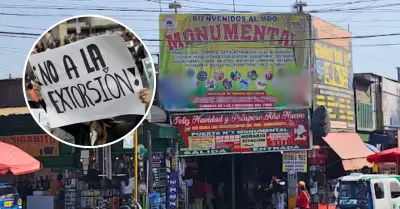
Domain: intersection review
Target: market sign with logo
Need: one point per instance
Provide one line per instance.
(36, 145)
(241, 61)
(294, 161)
(243, 132)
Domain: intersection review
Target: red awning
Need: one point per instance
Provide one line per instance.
(350, 148)
(17, 161)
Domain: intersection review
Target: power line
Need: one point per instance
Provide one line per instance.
(356, 9)
(21, 27)
(156, 10)
(283, 6)
(157, 20)
(308, 39)
(202, 2)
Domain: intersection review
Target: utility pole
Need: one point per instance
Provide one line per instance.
(299, 6)
(175, 5)
(398, 73)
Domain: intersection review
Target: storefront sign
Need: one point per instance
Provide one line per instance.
(243, 132)
(390, 103)
(334, 74)
(241, 61)
(37, 145)
(294, 161)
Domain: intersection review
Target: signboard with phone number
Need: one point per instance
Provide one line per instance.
(243, 132)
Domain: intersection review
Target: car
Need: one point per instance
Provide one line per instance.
(9, 197)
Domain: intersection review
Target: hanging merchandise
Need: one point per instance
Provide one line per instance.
(160, 177)
(172, 196)
(183, 201)
(70, 196)
(317, 181)
(154, 201)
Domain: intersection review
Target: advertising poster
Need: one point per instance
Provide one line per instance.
(333, 73)
(243, 132)
(294, 161)
(234, 61)
(36, 145)
(390, 103)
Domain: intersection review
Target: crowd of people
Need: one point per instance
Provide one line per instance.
(203, 196)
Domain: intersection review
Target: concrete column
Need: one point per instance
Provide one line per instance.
(60, 32)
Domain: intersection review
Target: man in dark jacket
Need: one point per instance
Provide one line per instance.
(277, 188)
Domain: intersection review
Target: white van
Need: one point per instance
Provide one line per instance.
(359, 191)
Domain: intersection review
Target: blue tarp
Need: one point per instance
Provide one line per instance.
(372, 148)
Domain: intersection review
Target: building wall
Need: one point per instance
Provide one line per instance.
(390, 104)
(368, 105)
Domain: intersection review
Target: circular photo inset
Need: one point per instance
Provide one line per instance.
(235, 75)
(252, 74)
(202, 75)
(261, 83)
(269, 75)
(219, 75)
(89, 89)
(244, 83)
(227, 83)
(211, 84)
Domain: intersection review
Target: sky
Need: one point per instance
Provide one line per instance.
(35, 18)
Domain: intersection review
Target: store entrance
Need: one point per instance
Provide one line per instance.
(252, 172)
(218, 171)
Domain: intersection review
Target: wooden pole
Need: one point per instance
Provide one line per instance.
(135, 147)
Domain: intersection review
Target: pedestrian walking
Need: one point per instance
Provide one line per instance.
(277, 187)
(303, 197)
(221, 195)
(198, 194)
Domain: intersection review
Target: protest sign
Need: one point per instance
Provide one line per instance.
(88, 80)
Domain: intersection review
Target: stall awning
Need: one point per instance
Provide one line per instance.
(350, 148)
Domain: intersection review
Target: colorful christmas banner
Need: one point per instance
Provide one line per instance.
(238, 61)
(243, 132)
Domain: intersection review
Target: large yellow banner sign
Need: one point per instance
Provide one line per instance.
(240, 61)
(334, 73)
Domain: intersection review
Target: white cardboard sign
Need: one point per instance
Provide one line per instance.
(92, 79)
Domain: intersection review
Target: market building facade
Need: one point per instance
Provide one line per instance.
(240, 125)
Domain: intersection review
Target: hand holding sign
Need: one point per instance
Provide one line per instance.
(146, 96)
(88, 80)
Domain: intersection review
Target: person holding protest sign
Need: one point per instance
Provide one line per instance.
(91, 89)
(100, 131)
